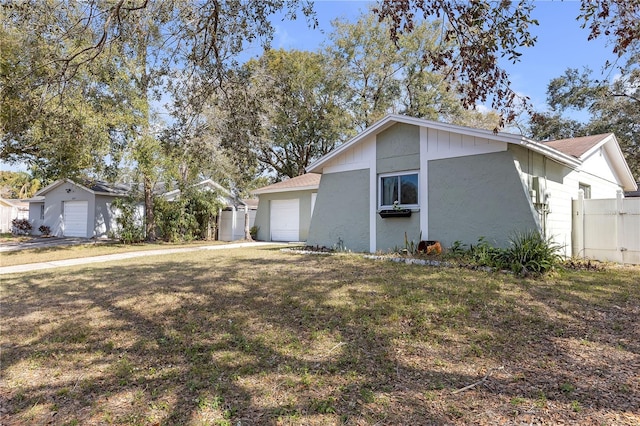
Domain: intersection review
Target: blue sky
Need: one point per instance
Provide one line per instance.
(561, 43)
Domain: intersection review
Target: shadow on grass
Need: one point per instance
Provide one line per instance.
(265, 338)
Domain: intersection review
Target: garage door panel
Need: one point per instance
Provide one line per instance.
(285, 220)
(75, 218)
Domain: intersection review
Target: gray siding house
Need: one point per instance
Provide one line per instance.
(456, 184)
(71, 209)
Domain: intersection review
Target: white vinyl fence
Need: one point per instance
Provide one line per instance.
(607, 230)
(232, 224)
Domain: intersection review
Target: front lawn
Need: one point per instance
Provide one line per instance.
(97, 248)
(257, 336)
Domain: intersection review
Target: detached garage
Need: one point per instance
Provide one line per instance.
(70, 209)
(285, 208)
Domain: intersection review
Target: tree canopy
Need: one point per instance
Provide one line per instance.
(81, 80)
(611, 107)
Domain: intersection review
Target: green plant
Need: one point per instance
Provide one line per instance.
(458, 248)
(323, 406)
(45, 230)
(411, 247)
(188, 217)
(254, 231)
(484, 254)
(129, 220)
(531, 253)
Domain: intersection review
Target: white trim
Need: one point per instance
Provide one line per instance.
(345, 167)
(290, 189)
(314, 196)
(424, 183)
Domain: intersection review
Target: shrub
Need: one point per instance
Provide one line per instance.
(45, 230)
(21, 227)
(484, 254)
(254, 231)
(129, 220)
(189, 216)
(530, 253)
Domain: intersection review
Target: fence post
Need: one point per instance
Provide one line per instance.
(620, 225)
(578, 250)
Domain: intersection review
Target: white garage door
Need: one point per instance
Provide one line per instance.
(75, 218)
(285, 220)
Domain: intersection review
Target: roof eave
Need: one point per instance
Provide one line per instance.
(552, 153)
(626, 176)
(291, 189)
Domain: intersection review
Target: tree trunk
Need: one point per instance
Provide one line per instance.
(150, 221)
(247, 228)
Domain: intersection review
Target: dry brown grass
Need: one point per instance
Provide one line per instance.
(263, 337)
(98, 248)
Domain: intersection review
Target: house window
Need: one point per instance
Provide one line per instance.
(586, 189)
(402, 188)
(42, 212)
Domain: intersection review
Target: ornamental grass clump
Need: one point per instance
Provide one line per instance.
(531, 253)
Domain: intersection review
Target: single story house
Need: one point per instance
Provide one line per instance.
(285, 208)
(12, 209)
(436, 181)
(85, 210)
(71, 209)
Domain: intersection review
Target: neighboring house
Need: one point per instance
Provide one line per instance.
(71, 209)
(285, 208)
(75, 210)
(231, 219)
(12, 209)
(459, 184)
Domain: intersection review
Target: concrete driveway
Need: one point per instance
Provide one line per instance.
(42, 242)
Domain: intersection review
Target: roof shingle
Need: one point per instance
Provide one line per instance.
(309, 180)
(577, 147)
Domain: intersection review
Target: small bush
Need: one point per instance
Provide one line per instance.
(254, 231)
(129, 220)
(45, 230)
(528, 253)
(531, 253)
(484, 254)
(21, 227)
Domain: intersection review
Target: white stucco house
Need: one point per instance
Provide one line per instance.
(454, 183)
